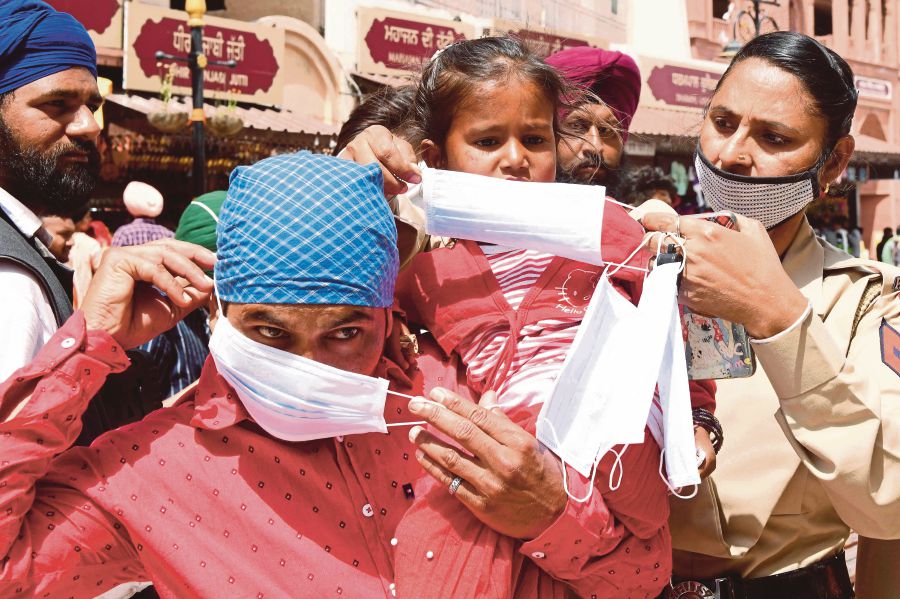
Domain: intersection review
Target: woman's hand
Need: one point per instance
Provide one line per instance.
(124, 297)
(735, 275)
(394, 155)
(704, 443)
(510, 481)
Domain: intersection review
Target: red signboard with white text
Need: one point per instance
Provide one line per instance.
(396, 43)
(102, 19)
(673, 85)
(258, 51)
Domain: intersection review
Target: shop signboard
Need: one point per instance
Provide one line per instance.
(674, 85)
(543, 42)
(102, 19)
(258, 51)
(395, 43)
(878, 89)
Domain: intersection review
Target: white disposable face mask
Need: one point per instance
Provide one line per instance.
(604, 393)
(556, 218)
(770, 200)
(294, 398)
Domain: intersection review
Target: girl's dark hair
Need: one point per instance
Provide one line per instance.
(450, 78)
(390, 107)
(826, 76)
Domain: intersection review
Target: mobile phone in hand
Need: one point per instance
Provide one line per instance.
(716, 348)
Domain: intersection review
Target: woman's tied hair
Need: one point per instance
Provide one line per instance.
(450, 77)
(825, 75)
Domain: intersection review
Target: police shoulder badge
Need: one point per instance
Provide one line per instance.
(890, 346)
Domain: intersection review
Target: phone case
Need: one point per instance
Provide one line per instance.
(716, 348)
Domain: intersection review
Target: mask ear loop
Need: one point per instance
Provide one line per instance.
(674, 490)
(617, 465)
(415, 422)
(624, 263)
(594, 468)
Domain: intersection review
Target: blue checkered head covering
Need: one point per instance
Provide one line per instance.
(307, 229)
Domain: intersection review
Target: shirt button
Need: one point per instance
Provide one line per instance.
(68, 342)
(538, 555)
(340, 438)
(367, 510)
(394, 542)
(429, 555)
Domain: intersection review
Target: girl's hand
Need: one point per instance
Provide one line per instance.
(394, 155)
(509, 480)
(735, 275)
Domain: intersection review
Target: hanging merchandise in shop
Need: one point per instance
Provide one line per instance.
(258, 51)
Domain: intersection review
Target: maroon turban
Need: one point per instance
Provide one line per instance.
(613, 76)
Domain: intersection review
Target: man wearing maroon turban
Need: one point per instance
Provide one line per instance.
(594, 155)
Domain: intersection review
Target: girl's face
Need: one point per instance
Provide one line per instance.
(760, 124)
(503, 130)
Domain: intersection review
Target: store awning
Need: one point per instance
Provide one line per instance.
(384, 80)
(866, 144)
(653, 120)
(260, 119)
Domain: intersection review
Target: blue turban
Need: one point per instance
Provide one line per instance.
(36, 41)
(307, 229)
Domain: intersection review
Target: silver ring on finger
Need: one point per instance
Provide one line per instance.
(454, 485)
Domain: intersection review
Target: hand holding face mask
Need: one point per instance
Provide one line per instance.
(732, 274)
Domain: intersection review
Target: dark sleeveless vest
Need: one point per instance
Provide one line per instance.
(125, 397)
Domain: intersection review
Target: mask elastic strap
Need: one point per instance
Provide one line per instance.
(617, 465)
(413, 423)
(681, 242)
(624, 263)
(674, 490)
(565, 475)
(218, 298)
(627, 207)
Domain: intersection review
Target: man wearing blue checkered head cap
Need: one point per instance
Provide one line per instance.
(275, 475)
(306, 242)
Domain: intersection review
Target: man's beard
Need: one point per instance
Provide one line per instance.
(610, 179)
(41, 182)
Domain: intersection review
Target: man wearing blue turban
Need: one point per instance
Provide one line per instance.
(277, 476)
(48, 165)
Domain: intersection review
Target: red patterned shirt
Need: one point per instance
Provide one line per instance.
(204, 503)
(195, 497)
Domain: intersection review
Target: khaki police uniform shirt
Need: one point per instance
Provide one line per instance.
(812, 440)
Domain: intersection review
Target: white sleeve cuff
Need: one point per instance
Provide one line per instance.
(787, 331)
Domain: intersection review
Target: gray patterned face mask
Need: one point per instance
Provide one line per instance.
(770, 200)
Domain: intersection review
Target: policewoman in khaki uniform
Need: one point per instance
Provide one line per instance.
(812, 440)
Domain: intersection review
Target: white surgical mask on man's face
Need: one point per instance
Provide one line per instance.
(294, 398)
(770, 200)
